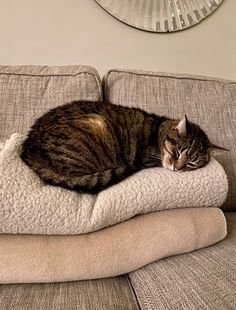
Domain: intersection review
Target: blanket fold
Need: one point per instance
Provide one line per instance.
(111, 251)
(29, 206)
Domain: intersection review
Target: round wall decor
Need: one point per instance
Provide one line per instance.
(160, 15)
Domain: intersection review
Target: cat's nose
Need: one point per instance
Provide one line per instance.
(176, 167)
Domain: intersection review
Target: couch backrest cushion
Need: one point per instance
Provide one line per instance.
(209, 102)
(26, 92)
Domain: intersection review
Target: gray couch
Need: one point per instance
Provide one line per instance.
(204, 279)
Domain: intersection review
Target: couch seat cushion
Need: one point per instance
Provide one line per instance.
(204, 279)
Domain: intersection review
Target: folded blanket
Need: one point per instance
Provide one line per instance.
(109, 252)
(29, 206)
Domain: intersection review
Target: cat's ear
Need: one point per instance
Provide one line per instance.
(183, 126)
(213, 148)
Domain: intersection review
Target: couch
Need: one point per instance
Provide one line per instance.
(203, 279)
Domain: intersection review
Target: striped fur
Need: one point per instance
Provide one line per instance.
(88, 146)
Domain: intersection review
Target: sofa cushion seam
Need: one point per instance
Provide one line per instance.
(156, 75)
(133, 291)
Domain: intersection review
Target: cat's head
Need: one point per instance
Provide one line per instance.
(185, 146)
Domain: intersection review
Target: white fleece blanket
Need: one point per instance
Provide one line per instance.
(28, 206)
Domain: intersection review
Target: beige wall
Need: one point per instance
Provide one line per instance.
(80, 32)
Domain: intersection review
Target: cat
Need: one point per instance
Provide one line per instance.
(89, 146)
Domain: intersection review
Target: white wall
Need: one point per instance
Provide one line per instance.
(81, 32)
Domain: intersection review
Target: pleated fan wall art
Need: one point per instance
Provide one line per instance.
(160, 15)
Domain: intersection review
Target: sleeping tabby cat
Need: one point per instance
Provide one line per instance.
(88, 146)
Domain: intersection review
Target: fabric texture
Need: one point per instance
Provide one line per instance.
(29, 206)
(209, 102)
(102, 294)
(205, 279)
(26, 92)
(109, 252)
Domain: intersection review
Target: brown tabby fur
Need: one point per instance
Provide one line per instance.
(89, 146)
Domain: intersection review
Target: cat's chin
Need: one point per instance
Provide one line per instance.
(168, 166)
(171, 167)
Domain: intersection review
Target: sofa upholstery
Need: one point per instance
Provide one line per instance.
(204, 279)
(103, 294)
(26, 92)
